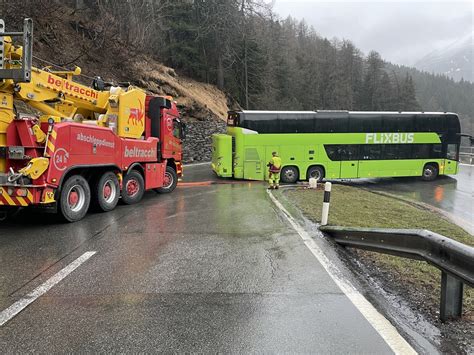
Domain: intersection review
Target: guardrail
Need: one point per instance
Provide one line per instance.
(466, 154)
(454, 259)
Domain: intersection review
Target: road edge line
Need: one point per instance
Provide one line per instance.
(190, 165)
(10, 312)
(381, 324)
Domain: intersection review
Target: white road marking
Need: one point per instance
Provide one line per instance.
(197, 164)
(21, 304)
(386, 330)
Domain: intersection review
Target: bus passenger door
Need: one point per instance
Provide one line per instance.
(349, 169)
(349, 163)
(253, 165)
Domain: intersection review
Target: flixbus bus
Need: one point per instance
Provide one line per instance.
(338, 144)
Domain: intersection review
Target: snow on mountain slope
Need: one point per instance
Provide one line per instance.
(455, 60)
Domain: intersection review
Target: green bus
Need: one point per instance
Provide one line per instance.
(338, 144)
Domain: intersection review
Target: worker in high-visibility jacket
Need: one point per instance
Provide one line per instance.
(274, 167)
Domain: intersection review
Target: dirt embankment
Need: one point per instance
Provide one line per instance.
(67, 38)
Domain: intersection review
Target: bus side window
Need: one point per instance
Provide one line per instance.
(349, 152)
(391, 151)
(421, 151)
(406, 123)
(333, 151)
(452, 152)
(390, 124)
(372, 151)
(436, 151)
(404, 151)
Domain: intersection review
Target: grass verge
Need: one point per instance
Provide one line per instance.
(355, 207)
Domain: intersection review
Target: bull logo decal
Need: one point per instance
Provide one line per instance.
(136, 115)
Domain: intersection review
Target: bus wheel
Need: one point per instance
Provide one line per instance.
(106, 192)
(430, 172)
(75, 198)
(170, 182)
(133, 187)
(316, 172)
(289, 174)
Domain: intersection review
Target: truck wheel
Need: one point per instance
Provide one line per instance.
(289, 174)
(170, 182)
(106, 192)
(133, 187)
(316, 172)
(430, 172)
(75, 198)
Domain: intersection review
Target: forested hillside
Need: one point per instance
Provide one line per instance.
(261, 60)
(270, 63)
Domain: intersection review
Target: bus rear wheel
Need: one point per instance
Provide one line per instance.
(316, 172)
(430, 172)
(289, 174)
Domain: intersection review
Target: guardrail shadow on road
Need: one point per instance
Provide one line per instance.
(454, 259)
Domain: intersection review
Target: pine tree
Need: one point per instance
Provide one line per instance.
(408, 96)
(371, 96)
(387, 93)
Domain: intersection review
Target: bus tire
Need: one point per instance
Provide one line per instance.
(75, 198)
(430, 172)
(289, 174)
(133, 188)
(316, 172)
(106, 192)
(170, 182)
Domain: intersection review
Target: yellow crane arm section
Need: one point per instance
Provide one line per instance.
(56, 95)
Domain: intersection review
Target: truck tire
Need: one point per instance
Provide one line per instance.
(316, 172)
(75, 198)
(170, 182)
(430, 172)
(289, 174)
(106, 192)
(133, 187)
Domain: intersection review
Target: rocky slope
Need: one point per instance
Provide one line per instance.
(67, 38)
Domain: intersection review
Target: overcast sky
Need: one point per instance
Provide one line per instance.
(401, 31)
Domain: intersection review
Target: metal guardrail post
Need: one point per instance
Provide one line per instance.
(455, 260)
(451, 297)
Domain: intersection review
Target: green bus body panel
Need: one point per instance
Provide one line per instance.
(253, 151)
(222, 154)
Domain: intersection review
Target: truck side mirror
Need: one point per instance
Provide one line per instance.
(183, 130)
(163, 102)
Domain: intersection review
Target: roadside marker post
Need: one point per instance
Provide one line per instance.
(313, 183)
(327, 195)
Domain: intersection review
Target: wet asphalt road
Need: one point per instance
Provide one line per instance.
(452, 194)
(205, 269)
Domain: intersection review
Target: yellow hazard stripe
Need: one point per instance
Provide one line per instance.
(29, 196)
(54, 134)
(22, 201)
(8, 198)
(51, 146)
